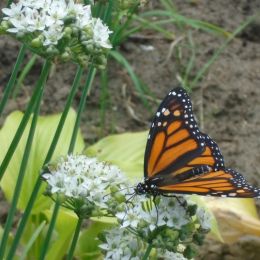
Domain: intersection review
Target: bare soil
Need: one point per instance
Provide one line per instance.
(226, 101)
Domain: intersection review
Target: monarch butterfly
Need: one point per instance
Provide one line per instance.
(179, 158)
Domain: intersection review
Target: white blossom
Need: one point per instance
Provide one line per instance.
(205, 218)
(53, 35)
(80, 177)
(121, 244)
(30, 15)
(14, 11)
(172, 256)
(168, 212)
(101, 34)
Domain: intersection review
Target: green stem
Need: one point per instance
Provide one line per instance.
(23, 74)
(45, 246)
(19, 182)
(25, 119)
(108, 11)
(10, 84)
(9, 3)
(75, 239)
(91, 75)
(147, 252)
(51, 150)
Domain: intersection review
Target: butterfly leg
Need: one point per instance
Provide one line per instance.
(182, 203)
(156, 208)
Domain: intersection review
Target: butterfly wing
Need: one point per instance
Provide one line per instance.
(174, 138)
(221, 183)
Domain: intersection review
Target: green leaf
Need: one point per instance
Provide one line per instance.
(10, 238)
(45, 130)
(124, 150)
(88, 243)
(236, 217)
(64, 230)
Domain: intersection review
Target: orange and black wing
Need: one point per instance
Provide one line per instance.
(221, 183)
(211, 156)
(174, 139)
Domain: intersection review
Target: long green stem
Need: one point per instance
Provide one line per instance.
(108, 11)
(9, 2)
(17, 191)
(10, 84)
(91, 75)
(25, 119)
(75, 239)
(51, 150)
(50, 230)
(147, 252)
(27, 68)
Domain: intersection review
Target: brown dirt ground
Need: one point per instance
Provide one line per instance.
(226, 102)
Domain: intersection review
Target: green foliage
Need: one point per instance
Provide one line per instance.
(44, 133)
(88, 242)
(124, 150)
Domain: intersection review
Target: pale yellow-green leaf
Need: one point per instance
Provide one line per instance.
(64, 230)
(9, 239)
(87, 248)
(124, 150)
(44, 133)
(236, 217)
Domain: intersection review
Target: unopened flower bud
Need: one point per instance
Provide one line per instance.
(36, 42)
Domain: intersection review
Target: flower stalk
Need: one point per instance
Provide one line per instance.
(11, 82)
(75, 239)
(8, 225)
(51, 150)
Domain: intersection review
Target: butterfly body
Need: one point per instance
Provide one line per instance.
(180, 159)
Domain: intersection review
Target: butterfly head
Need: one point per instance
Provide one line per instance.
(146, 187)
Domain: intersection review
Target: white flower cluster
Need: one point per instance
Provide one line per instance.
(204, 218)
(168, 213)
(79, 178)
(172, 256)
(166, 223)
(121, 244)
(62, 27)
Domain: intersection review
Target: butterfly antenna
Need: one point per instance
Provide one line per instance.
(119, 191)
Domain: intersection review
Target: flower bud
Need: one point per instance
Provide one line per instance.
(120, 198)
(198, 239)
(4, 26)
(67, 32)
(36, 42)
(65, 56)
(192, 209)
(69, 19)
(114, 189)
(52, 51)
(20, 35)
(189, 252)
(172, 234)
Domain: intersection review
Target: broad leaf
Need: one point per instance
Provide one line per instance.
(44, 133)
(87, 248)
(124, 150)
(64, 230)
